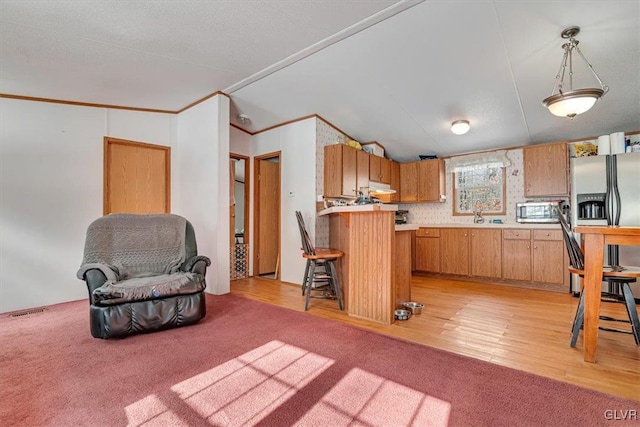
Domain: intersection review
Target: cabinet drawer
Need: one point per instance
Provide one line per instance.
(509, 234)
(547, 235)
(428, 232)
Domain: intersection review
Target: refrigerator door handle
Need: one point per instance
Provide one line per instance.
(616, 192)
(607, 198)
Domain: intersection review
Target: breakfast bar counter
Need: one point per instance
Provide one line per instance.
(375, 271)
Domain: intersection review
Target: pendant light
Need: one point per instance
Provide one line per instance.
(570, 103)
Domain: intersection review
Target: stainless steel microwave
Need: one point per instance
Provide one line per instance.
(537, 212)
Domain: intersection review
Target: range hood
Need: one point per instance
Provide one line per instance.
(380, 188)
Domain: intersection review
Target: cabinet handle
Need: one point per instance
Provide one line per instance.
(535, 247)
(528, 247)
(517, 234)
(548, 234)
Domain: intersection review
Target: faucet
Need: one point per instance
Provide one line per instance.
(478, 219)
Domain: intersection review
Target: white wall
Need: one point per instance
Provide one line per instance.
(51, 181)
(203, 178)
(297, 144)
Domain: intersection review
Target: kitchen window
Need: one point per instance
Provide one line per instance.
(480, 187)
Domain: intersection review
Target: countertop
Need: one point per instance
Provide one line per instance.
(490, 225)
(358, 208)
(407, 227)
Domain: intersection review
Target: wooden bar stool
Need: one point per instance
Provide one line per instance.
(619, 277)
(320, 277)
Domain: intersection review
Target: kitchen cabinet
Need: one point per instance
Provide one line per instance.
(340, 171)
(427, 250)
(402, 268)
(362, 170)
(379, 169)
(546, 169)
(548, 257)
(516, 254)
(454, 251)
(486, 252)
(395, 181)
(431, 180)
(409, 182)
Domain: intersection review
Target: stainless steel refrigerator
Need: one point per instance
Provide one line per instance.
(605, 190)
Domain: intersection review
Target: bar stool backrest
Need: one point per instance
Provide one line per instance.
(576, 257)
(307, 246)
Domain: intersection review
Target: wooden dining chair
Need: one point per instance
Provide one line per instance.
(617, 276)
(320, 276)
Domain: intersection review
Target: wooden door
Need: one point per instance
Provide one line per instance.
(546, 170)
(454, 251)
(486, 252)
(395, 180)
(374, 168)
(516, 259)
(385, 170)
(268, 204)
(409, 182)
(362, 170)
(428, 254)
(137, 177)
(430, 180)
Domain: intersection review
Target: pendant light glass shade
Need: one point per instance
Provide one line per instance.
(572, 102)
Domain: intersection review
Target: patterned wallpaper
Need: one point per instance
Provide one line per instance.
(442, 213)
(325, 135)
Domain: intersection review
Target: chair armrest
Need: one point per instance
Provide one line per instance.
(94, 278)
(197, 264)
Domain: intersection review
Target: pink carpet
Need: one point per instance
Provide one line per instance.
(249, 363)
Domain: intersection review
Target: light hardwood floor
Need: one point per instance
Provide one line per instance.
(519, 328)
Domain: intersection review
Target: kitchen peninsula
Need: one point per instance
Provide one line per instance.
(375, 271)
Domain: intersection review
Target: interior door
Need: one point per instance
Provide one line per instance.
(268, 203)
(136, 177)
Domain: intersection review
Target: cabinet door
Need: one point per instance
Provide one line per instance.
(454, 251)
(385, 170)
(374, 168)
(546, 170)
(548, 265)
(409, 182)
(395, 180)
(430, 180)
(428, 254)
(362, 169)
(486, 252)
(516, 259)
(339, 171)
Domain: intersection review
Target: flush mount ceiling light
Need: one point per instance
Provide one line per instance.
(460, 127)
(570, 103)
(243, 119)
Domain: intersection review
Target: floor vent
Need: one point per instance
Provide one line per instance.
(28, 312)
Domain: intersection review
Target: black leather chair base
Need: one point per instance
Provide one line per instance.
(125, 319)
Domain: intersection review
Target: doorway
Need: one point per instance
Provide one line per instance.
(239, 215)
(266, 222)
(137, 177)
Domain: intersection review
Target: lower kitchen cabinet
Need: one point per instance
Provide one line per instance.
(486, 252)
(548, 256)
(516, 254)
(454, 251)
(428, 250)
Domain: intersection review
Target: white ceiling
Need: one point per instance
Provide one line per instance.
(395, 72)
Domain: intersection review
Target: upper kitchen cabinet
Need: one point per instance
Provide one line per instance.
(362, 169)
(345, 170)
(379, 169)
(409, 182)
(546, 170)
(395, 181)
(431, 180)
(340, 171)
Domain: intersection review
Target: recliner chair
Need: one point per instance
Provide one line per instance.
(143, 274)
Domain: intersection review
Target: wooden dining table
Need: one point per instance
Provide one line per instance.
(594, 240)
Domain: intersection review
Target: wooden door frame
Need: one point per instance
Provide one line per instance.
(256, 208)
(247, 193)
(106, 208)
